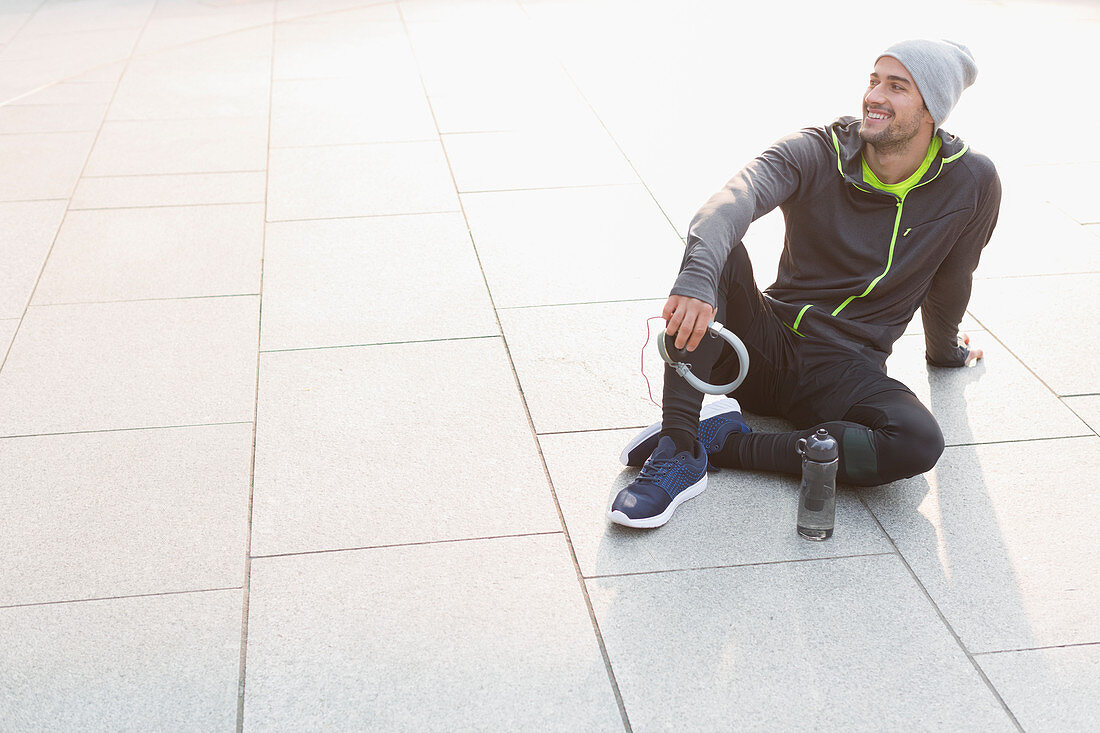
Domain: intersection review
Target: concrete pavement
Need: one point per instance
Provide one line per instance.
(319, 328)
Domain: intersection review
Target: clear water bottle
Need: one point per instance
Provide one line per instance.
(817, 497)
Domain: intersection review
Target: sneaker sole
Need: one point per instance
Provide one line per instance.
(710, 410)
(650, 522)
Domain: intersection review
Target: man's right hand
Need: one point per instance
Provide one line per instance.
(687, 320)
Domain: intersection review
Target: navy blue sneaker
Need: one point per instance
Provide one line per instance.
(667, 480)
(717, 421)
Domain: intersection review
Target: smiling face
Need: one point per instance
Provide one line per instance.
(893, 109)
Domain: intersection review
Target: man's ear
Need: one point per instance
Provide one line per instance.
(928, 117)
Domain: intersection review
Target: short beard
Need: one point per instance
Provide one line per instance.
(891, 141)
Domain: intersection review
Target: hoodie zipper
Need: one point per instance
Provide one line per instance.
(893, 237)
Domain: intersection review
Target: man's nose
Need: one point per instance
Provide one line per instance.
(874, 96)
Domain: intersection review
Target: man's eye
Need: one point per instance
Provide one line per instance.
(898, 88)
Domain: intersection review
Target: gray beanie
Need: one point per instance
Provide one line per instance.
(941, 69)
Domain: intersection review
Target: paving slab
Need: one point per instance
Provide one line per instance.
(94, 15)
(42, 165)
(494, 161)
(161, 252)
(567, 245)
(87, 45)
(328, 11)
(1020, 313)
(323, 51)
(482, 636)
(180, 23)
(1048, 689)
(548, 106)
(1087, 408)
(1024, 227)
(161, 511)
(344, 282)
(29, 230)
(496, 49)
(1067, 187)
(768, 647)
(32, 118)
(149, 147)
(338, 111)
(1001, 536)
(359, 180)
(187, 189)
(22, 79)
(229, 49)
(743, 517)
(167, 87)
(137, 364)
(71, 92)
(127, 664)
(578, 365)
(352, 448)
(972, 404)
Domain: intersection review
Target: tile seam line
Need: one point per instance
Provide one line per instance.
(943, 619)
(1014, 355)
(126, 430)
(362, 144)
(119, 598)
(242, 660)
(382, 343)
(46, 132)
(184, 173)
(1024, 440)
(765, 563)
(472, 192)
(655, 301)
(615, 142)
(66, 303)
(1032, 276)
(365, 216)
(72, 190)
(582, 587)
(145, 207)
(1038, 648)
(446, 541)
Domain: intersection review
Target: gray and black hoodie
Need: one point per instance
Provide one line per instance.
(857, 262)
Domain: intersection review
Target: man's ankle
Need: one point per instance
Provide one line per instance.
(729, 455)
(684, 440)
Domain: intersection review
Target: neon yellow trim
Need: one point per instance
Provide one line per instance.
(794, 329)
(799, 319)
(897, 219)
(900, 189)
(889, 261)
(836, 144)
(956, 155)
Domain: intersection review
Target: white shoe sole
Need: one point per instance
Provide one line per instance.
(650, 522)
(709, 410)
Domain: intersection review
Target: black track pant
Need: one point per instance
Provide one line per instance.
(883, 430)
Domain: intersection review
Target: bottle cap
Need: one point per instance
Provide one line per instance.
(821, 447)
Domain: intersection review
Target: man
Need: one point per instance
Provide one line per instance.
(884, 214)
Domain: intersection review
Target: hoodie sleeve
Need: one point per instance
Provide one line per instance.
(949, 294)
(718, 227)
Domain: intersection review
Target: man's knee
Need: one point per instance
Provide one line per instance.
(916, 444)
